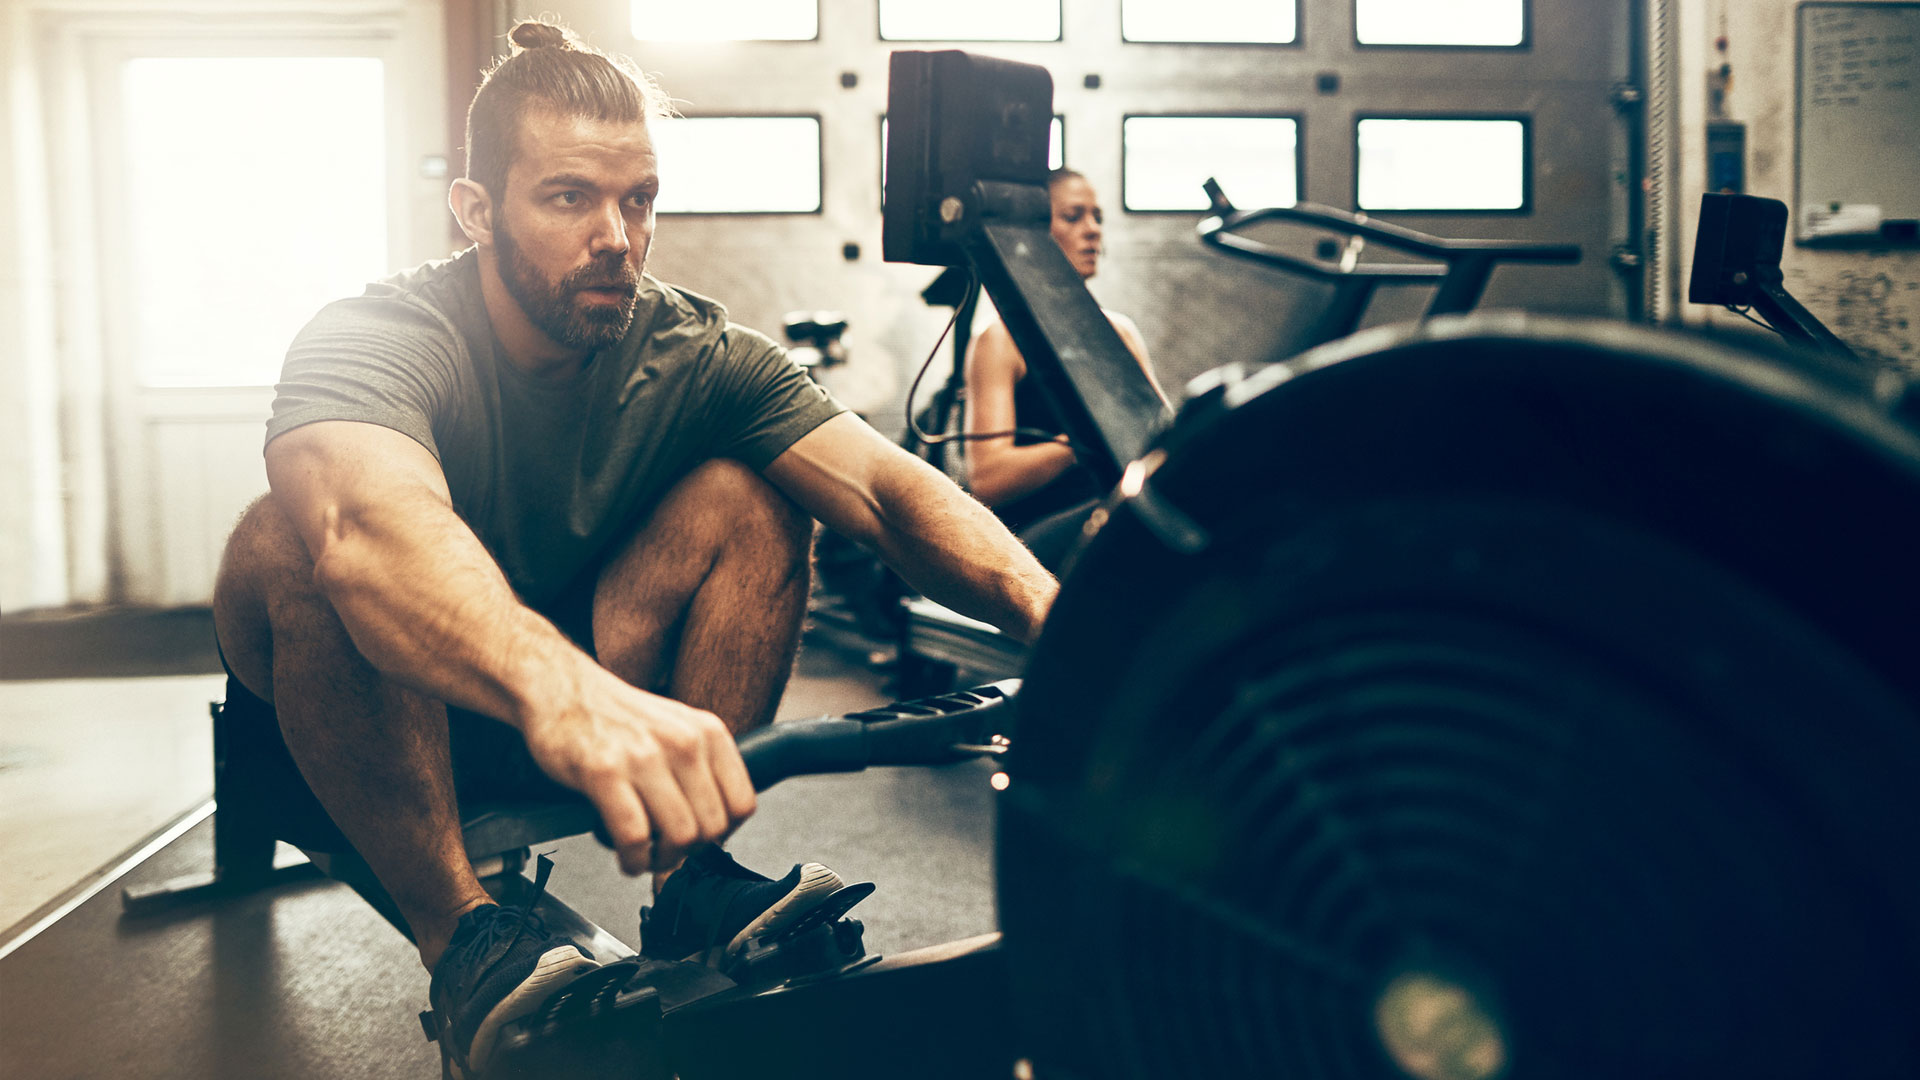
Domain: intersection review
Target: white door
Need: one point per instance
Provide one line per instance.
(241, 176)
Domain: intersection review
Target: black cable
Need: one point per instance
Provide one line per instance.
(913, 391)
(930, 439)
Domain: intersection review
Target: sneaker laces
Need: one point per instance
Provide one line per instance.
(487, 942)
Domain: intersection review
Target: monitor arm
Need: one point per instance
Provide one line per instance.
(1082, 367)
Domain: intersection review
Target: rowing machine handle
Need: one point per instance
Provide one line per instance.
(935, 730)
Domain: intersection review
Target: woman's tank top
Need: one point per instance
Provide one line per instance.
(1071, 488)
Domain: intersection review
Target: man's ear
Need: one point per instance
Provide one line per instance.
(473, 208)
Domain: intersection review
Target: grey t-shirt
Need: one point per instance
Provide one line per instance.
(548, 473)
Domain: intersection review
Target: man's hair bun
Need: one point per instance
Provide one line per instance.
(539, 35)
(550, 67)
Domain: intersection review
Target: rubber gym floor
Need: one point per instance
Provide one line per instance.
(307, 981)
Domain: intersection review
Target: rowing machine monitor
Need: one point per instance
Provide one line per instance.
(1739, 242)
(1736, 264)
(955, 119)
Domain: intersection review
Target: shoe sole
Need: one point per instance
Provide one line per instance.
(817, 882)
(557, 968)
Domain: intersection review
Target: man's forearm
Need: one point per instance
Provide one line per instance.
(426, 604)
(954, 550)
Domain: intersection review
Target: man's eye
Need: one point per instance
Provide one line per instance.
(568, 198)
(640, 200)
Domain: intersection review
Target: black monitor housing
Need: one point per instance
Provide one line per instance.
(967, 186)
(1736, 264)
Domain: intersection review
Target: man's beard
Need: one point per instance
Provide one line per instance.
(551, 306)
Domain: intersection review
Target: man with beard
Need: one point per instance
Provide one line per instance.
(539, 521)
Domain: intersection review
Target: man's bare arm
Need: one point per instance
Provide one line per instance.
(426, 605)
(936, 536)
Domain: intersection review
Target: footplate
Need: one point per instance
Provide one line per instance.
(819, 943)
(605, 1023)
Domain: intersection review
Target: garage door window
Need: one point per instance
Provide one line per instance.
(726, 20)
(721, 164)
(1166, 159)
(1487, 23)
(1442, 164)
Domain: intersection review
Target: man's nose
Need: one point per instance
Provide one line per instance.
(609, 231)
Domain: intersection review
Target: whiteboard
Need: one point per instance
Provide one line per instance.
(1858, 119)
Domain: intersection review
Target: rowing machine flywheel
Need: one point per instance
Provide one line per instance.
(1498, 697)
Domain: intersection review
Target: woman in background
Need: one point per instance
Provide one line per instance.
(1031, 479)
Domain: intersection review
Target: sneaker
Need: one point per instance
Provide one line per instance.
(712, 906)
(501, 965)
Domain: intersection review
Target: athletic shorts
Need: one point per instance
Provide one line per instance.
(490, 759)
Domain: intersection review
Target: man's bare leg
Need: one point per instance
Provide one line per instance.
(374, 752)
(705, 603)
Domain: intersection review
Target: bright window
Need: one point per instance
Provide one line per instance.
(1257, 21)
(1166, 159)
(726, 20)
(974, 20)
(1442, 164)
(1440, 22)
(738, 164)
(256, 193)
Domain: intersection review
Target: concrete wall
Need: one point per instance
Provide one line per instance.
(1870, 297)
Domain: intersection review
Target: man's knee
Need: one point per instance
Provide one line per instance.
(751, 513)
(264, 570)
(264, 552)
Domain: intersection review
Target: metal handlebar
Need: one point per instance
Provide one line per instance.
(1462, 268)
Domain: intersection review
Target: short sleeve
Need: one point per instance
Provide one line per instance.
(763, 401)
(373, 359)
